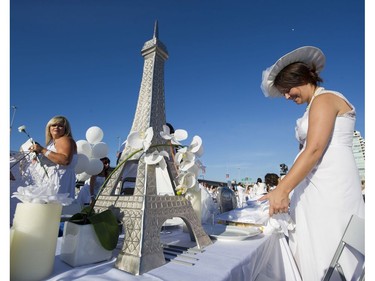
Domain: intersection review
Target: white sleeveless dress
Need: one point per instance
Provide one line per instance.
(322, 204)
(64, 175)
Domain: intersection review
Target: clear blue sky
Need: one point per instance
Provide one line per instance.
(82, 59)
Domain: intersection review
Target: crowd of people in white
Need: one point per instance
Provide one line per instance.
(246, 191)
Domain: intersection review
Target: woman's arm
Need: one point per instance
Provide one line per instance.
(65, 148)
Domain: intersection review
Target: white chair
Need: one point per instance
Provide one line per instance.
(354, 236)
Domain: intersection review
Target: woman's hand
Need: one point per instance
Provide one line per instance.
(278, 201)
(36, 147)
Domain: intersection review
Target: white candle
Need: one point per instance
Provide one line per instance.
(33, 240)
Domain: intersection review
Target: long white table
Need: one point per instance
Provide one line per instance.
(260, 258)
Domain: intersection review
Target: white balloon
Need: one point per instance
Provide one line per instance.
(95, 166)
(84, 147)
(94, 134)
(99, 150)
(82, 163)
(83, 176)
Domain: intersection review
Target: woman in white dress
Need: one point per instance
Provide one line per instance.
(324, 177)
(59, 155)
(260, 187)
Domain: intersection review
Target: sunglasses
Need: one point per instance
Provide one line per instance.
(57, 125)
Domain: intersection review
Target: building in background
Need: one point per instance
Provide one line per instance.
(359, 153)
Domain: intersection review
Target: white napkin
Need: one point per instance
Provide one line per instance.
(278, 223)
(252, 215)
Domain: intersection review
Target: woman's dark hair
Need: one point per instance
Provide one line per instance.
(297, 74)
(105, 170)
(271, 179)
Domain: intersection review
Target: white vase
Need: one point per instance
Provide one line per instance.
(81, 246)
(33, 240)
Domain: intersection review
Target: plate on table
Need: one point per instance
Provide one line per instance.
(228, 232)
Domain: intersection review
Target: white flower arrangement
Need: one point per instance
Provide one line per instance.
(186, 158)
(43, 193)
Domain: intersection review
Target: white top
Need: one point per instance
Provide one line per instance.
(64, 175)
(260, 188)
(84, 196)
(44, 171)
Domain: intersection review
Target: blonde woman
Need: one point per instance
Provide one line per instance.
(61, 153)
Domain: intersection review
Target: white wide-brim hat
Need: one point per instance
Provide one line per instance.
(307, 54)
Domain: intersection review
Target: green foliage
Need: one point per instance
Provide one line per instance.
(106, 228)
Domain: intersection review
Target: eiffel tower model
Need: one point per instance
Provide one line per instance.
(144, 212)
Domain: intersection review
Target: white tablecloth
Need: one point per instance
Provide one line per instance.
(260, 258)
